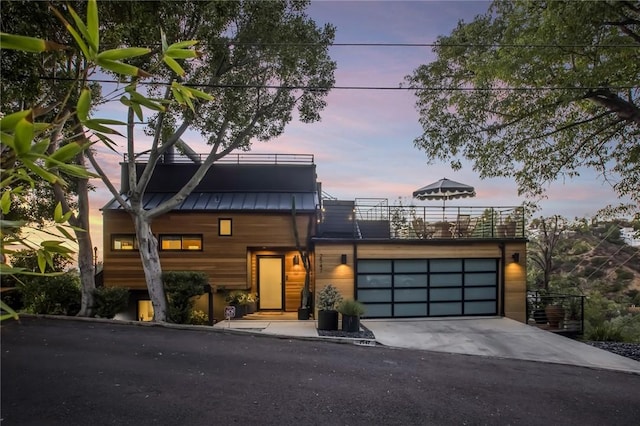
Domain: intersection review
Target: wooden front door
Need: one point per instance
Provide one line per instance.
(270, 282)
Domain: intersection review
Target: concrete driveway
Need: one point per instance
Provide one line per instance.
(496, 337)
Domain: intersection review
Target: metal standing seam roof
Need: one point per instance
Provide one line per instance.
(229, 201)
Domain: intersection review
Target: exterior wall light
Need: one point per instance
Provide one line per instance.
(343, 259)
(516, 257)
(296, 260)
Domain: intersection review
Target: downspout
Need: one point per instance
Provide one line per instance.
(355, 270)
(502, 277)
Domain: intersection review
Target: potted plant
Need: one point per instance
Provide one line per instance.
(252, 302)
(328, 300)
(351, 311)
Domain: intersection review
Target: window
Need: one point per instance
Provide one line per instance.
(180, 242)
(124, 242)
(224, 227)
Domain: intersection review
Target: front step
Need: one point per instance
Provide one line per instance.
(272, 316)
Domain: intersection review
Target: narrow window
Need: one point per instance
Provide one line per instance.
(124, 242)
(180, 242)
(224, 227)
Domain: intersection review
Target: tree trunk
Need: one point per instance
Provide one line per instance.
(148, 247)
(85, 249)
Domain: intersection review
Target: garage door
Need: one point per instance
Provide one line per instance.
(427, 287)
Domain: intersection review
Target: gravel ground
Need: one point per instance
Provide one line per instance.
(629, 350)
(364, 333)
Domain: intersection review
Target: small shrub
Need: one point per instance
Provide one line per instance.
(181, 288)
(53, 294)
(328, 298)
(198, 317)
(605, 332)
(351, 307)
(110, 300)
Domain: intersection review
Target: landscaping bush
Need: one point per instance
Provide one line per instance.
(110, 300)
(198, 317)
(605, 332)
(53, 294)
(181, 287)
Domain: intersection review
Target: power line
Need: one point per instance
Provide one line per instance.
(436, 44)
(319, 88)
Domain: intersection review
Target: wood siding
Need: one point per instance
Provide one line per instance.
(227, 260)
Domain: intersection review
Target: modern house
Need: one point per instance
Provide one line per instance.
(237, 226)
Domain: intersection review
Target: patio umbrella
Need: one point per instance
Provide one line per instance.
(444, 189)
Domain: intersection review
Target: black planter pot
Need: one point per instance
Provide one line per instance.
(327, 320)
(303, 313)
(540, 316)
(241, 310)
(350, 323)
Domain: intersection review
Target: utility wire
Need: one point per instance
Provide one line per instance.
(319, 88)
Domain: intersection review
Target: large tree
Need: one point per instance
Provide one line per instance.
(537, 90)
(261, 61)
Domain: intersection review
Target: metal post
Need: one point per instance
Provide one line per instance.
(95, 260)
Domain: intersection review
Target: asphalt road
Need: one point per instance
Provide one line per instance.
(67, 372)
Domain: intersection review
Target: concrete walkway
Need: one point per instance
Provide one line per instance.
(495, 337)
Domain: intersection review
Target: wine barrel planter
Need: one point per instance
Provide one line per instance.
(327, 320)
(555, 315)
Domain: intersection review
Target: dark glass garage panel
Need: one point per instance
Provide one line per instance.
(477, 308)
(479, 265)
(445, 294)
(442, 309)
(374, 266)
(479, 293)
(446, 265)
(378, 310)
(374, 281)
(410, 280)
(410, 295)
(410, 309)
(445, 280)
(401, 266)
(486, 278)
(366, 296)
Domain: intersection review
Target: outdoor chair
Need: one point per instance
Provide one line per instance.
(463, 225)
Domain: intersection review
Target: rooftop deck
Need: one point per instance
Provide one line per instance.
(240, 158)
(375, 219)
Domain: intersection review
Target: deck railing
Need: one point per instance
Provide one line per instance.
(425, 222)
(559, 313)
(239, 158)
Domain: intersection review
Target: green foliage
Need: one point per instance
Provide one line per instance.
(329, 298)
(53, 295)
(605, 332)
(110, 300)
(237, 297)
(198, 317)
(351, 307)
(181, 287)
(555, 82)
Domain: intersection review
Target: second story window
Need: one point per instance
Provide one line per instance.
(180, 242)
(224, 227)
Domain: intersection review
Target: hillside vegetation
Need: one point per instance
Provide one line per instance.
(593, 260)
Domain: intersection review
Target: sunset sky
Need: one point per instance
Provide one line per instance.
(363, 146)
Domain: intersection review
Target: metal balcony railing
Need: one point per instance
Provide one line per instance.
(373, 218)
(559, 313)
